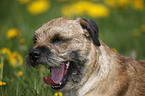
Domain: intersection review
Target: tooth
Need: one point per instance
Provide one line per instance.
(67, 65)
(59, 83)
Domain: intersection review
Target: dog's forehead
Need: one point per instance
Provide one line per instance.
(63, 26)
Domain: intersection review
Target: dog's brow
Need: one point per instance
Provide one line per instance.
(57, 38)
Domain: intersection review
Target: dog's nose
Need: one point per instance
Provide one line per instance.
(34, 54)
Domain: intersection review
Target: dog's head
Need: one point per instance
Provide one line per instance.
(63, 45)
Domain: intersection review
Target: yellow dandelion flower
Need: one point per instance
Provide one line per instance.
(117, 3)
(74, 9)
(12, 33)
(65, 10)
(137, 4)
(115, 50)
(2, 83)
(5, 51)
(82, 6)
(122, 3)
(58, 94)
(68, 10)
(98, 10)
(16, 59)
(24, 1)
(85, 7)
(1, 66)
(143, 28)
(38, 6)
(22, 40)
(77, 8)
(62, 0)
(19, 73)
(111, 3)
(136, 32)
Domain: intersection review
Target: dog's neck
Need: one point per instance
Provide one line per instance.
(96, 70)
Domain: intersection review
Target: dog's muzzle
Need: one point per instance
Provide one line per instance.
(59, 73)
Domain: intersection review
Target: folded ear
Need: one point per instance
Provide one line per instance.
(92, 29)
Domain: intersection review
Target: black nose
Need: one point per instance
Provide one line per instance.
(34, 54)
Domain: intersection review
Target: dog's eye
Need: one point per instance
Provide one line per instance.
(59, 39)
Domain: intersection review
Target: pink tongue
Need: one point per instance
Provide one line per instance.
(56, 76)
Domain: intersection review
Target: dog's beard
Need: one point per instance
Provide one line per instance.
(63, 70)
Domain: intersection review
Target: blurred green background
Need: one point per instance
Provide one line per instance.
(121, 26)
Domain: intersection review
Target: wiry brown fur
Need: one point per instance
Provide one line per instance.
(120, 76)
(105, 72)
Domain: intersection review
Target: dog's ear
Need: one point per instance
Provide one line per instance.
(91, 28)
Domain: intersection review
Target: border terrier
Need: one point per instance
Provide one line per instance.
(81, 64)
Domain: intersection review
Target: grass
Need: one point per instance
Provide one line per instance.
(116, 31)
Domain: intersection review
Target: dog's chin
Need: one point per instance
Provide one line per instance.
(59, 75)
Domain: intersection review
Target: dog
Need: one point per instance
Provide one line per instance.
(81, 64)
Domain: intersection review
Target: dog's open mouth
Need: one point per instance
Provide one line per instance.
(58, 77)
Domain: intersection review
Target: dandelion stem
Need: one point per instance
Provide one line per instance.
(2, 62)
(17, 90)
